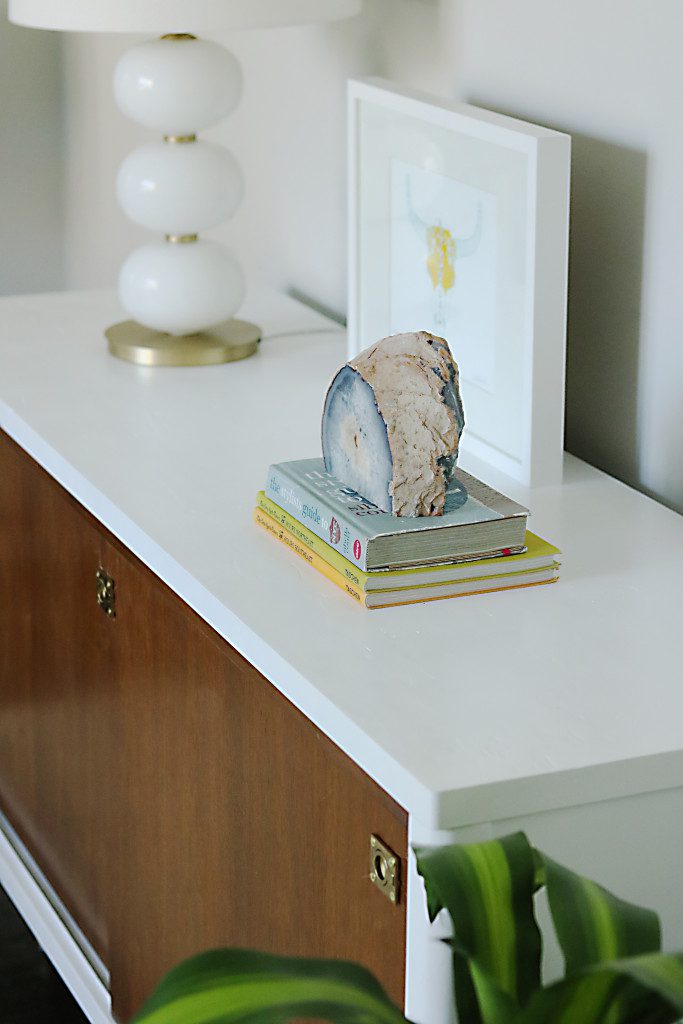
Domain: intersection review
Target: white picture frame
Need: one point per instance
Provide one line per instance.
(459, 224)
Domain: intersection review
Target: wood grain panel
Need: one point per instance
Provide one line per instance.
(173, 797)
(244, 825)
(57, 721)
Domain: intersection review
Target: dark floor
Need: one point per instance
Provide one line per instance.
(31, 992)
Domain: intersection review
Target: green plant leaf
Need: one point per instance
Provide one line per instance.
(592, 925)
(492, 1005)
(487, 888)
(229, 986)
(644, 989)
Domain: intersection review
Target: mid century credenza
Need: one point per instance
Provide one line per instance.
(201, 739)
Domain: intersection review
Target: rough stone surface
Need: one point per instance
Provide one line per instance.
(392, 423)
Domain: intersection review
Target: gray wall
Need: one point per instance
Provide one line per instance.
(31, 207)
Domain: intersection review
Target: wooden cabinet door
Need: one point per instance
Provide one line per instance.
(57, 714)
(240, 824)
(174, 799)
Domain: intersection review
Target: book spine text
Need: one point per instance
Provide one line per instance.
(279, 533)
(326, 522)
(312, 541)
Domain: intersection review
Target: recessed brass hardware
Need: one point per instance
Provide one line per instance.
(235, 339)
(385, 869)
(106, 595)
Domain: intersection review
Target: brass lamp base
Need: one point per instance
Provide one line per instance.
(226, 343)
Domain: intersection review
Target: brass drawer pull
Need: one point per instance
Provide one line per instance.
(385, 869)
(106, 594)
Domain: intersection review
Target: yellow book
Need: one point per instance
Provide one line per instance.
(408, 595)
(539, 554)
(309, 556)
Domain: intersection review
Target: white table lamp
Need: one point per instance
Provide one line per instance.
(182, 292)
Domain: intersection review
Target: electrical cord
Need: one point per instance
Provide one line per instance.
(312, 330)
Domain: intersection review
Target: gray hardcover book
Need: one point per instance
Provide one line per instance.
(478, 520)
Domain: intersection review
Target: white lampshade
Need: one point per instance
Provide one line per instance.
(201, 17)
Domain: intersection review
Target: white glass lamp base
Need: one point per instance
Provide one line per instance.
(180, 189)
(180, 287)
(177, 85)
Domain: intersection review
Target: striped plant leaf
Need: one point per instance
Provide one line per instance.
(592, 925)
(492, 1005)
(243, 987)
(487, 888)
(614, 972)
(644, 989)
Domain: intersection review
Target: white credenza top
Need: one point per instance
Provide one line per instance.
(465, 711)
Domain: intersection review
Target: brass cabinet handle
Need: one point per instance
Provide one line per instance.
(385, 869)
(106, 593)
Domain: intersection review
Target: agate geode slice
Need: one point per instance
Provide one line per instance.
(392, 423)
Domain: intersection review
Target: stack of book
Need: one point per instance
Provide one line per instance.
(480, 543)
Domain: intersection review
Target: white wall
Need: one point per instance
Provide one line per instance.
(31, 225)
(609, 73)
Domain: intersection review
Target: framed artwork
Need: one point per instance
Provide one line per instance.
(459, 225)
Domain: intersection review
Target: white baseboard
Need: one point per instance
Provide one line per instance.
(52, 934)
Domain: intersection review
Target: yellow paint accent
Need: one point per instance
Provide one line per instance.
(441, 258)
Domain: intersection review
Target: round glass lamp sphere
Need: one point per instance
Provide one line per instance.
(180, 189)
(177, 85)
(181, 289)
